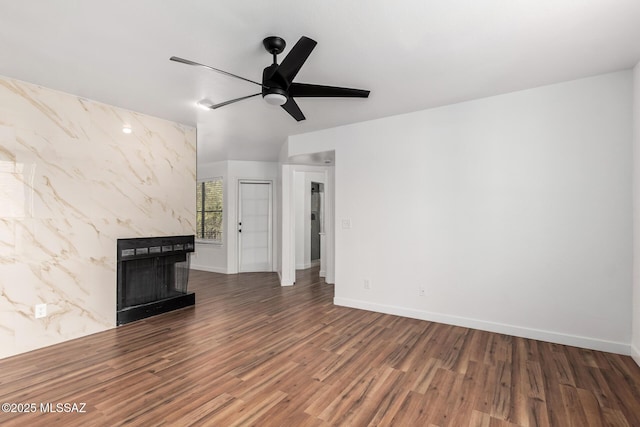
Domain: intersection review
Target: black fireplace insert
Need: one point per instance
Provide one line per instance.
(153, 274)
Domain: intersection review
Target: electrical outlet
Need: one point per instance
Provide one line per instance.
(421, 291)
(346, 224)
(367, 284)
(41, 311)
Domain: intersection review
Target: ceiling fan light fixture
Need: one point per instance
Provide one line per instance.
(275, 99)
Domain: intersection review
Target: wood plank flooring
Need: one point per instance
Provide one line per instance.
(253, 353)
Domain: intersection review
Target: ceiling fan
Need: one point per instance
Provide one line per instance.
(277, 84)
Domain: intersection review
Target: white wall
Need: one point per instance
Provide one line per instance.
(635, 341)
(213, 256)
(277, 238)
(287, 267)
(224, 258)
(302, 189)
(512, 212)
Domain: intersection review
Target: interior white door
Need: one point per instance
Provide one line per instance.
(254, 226)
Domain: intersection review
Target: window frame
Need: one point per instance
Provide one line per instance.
(201, 213)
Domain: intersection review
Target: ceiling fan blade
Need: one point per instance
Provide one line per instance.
(292, 63)
(301, 90)
(188, 62)
(222, 104)
(292, 108)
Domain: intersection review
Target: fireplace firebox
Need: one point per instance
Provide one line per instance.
(153, 273)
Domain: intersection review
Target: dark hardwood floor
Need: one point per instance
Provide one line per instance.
(253, 353)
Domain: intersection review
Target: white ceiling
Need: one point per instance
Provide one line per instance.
(411, 54)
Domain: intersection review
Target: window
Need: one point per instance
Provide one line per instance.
(209, 210)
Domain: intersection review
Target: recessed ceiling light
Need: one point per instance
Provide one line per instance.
(205, 104)
(127, 129)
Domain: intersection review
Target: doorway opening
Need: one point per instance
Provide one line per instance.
(317, 222)
(296, 221)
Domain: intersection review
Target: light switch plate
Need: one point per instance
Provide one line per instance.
(346, 223)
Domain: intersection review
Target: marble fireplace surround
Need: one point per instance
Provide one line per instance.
(71, 184)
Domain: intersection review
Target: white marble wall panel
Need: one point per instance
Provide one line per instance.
(71, 184)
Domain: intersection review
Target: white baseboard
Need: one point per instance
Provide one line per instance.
(635, 354)
(208, 268)
(323, 273)
(518, 331)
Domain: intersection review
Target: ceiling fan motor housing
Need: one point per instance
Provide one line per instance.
(273, 83)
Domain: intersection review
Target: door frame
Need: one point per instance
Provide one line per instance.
(287, 238)
(321, 215)
(239, 215)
